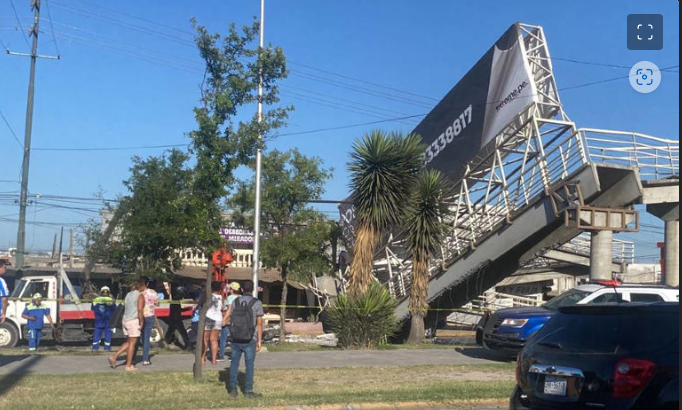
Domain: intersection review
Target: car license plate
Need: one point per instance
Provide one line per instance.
(555, 386)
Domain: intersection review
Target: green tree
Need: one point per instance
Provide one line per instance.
(383, 169)
(424, 232)
(296, 237)
(235, 67)
(159, 220)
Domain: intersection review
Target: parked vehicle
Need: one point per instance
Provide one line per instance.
(75, 320)
(510, 329)
(612, 356)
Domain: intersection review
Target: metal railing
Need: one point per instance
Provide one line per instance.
(656, 158)
(492, 300)
(623, 251)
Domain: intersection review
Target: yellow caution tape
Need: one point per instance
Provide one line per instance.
(193, 302)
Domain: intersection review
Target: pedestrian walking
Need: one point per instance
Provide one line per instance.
(151, 301)
(246, 328)
(214, 323)
(133, 320)
(35, 313)
(4, 290)
(233, 292)
(104, 307)
(176, 323)
(196, 316)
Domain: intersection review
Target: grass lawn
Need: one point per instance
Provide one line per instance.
(150, 391)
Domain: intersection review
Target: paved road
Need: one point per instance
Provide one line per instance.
(35, 364)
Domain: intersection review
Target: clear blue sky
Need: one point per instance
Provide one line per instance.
(117, 85)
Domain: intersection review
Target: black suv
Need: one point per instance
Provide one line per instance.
(613, 357)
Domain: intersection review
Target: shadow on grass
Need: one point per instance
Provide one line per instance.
(481, 353)
(224, 377)
(13, 377)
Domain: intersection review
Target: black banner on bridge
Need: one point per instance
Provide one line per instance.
(466, 121)
(483, 102)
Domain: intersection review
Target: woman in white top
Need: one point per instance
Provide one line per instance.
(214, 322)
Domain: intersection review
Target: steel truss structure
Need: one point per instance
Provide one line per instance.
(531, 157)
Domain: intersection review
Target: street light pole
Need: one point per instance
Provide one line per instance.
(259, 154)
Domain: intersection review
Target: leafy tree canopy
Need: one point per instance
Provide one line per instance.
(295, 236)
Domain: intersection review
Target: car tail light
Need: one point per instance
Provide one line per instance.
(631, 376)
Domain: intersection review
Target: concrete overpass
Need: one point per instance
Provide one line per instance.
(545, 182)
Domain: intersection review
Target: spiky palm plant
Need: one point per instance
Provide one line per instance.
(424, 231)
(383, 168)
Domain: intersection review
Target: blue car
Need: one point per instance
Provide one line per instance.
(510, 329)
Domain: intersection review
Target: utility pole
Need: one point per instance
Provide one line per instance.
(23, 199)
(71, 248)
(259, 155)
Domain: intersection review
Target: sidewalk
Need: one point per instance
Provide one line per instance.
(35, 364)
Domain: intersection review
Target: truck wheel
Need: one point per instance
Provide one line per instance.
(159, 333)
(9, 335)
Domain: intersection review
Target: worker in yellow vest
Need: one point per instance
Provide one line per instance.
(35, 313)
(103, 306)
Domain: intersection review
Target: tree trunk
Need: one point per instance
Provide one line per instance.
(198, 351)
(361, 268)
(419, 294)
(283, 306)
(88, 288)
(417, 330)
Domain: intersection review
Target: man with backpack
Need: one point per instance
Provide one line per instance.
(246, 330)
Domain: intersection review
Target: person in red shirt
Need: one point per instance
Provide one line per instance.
(221, 258)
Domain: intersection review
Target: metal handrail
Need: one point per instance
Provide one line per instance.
(654, 157)
(623, 251)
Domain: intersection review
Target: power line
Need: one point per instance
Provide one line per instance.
(54, 38)
(109, 148)
(360, 89)
(136, 45)
(343, 100)
(343, 127)
(337, 106)
(16, 15)
(608, 80)
(129, 53)
(362, 81)
(146, 20)
(14, 134)
(590, 63)
(40, 223)
(131, 26)
(2, 43)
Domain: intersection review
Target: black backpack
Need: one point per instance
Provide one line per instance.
(242, 327)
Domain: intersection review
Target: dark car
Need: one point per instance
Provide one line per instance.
(614, 357)
(509, 330)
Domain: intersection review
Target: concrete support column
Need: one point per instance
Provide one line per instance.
(601, 256)
(672, 253)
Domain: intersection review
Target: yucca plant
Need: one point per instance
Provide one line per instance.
(383, 168)
(365, 320)
(424, 232)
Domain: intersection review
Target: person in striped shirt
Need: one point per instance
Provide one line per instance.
(4, 290)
